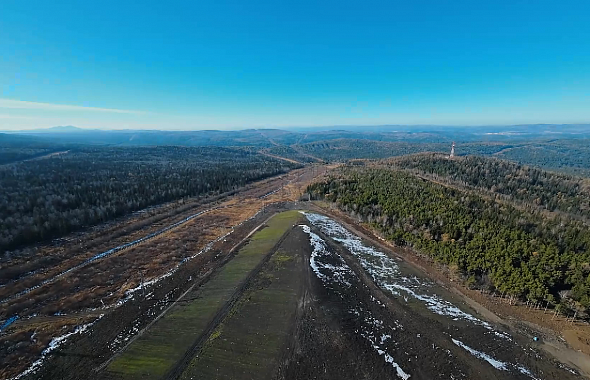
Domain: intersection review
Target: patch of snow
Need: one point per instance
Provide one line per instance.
(385, 272)
(53, 345)
(400, 371)
(495, 363)
(328, 273)
(525, 371)
(568, 369)
(502, 335)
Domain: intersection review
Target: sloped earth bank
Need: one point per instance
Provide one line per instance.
(371, 316)
(251, 341)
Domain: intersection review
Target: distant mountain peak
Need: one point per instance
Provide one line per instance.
(57, 129)
(64, 128)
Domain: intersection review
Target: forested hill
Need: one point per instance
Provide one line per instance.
(344, 149)
(347, 149)
(567, 156)
(550, 190)
(494, 245)
(15, 148)
(556, 147)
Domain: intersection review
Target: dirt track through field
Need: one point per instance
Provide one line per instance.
(252, 341)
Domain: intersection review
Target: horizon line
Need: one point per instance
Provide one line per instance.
(327, 127)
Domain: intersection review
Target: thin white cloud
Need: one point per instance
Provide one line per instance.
(21, 104)
(5, 116)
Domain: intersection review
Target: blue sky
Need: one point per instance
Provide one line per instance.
(240, 64)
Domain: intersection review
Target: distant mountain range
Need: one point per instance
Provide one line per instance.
(58, 129)
(274, 137)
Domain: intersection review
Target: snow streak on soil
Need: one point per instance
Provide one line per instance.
(334, 273)
(495, 363)
(338, 271)
(386, 273)
(378, 340)
(53, 345)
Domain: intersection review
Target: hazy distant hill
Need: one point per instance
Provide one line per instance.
(58, 129)
(15, 147)
(560, 147)
(274, 137)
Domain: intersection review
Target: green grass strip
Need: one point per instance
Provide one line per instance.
(248, 344)
(158, 350)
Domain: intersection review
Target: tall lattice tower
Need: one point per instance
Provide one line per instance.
(452, 151)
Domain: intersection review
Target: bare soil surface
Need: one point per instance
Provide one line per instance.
(565, 340)
(361, 312)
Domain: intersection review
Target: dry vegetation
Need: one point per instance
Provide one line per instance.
(85, 293)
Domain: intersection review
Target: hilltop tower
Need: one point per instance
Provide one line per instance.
(452, 151)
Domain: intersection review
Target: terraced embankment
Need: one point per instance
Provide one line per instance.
(252, 340)
(168, 345)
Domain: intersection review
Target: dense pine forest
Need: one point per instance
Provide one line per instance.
(493, 245)
(48, 198)
(566, 155)
(529, 185)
